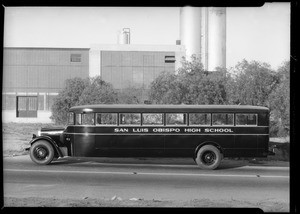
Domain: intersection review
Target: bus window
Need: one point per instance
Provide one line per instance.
(175, 119)
(130, 119)
(246, 119)
(106, 118)
(88, 119)
(78, 119)
(71, 118)
(199, 119)
(152, 119)
(222, 119)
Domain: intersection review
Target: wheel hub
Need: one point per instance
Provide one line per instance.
(41, 153)
(208, 158)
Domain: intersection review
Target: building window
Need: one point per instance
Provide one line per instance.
(170, 59)
(75, 58)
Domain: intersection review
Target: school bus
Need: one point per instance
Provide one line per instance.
(206, 133)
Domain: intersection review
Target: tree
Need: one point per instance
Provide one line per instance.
(191, 85)
(253, 83)
(163, 90)
(280, 102)
(67, 97)
(79, 91)
(130, 95)
(98, 92)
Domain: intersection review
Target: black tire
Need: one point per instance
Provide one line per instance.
(41, 152)
(208, 157)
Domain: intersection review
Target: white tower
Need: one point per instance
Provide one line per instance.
(216, 38)
(190, 30)
(203, 33)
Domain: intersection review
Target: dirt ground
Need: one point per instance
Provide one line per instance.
(16, 137)
(267, 205)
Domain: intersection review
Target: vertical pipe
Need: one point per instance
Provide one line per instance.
(204, 38)
(216, 35)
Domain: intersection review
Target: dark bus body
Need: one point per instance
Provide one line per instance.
(178, 131)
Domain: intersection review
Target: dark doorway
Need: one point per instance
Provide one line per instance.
(27, 106)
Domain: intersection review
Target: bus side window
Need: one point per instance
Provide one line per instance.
(175, 119)
(88, 119)
(246, 119)
(152, 119)
(130, 119)
(222, 119)
(199, 119)
(106, 118)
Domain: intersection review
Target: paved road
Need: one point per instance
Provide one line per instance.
(160, 179)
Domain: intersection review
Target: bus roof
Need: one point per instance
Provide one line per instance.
(167, 108)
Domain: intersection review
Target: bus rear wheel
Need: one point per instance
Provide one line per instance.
(41, 152)
(208, 157)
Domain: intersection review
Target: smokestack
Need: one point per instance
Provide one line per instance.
(124, 37)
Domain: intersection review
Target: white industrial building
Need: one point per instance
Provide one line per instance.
(32, 77)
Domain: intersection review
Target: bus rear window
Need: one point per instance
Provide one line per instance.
(246, 119)
(222, 119)
(106, 119)
(130, 119)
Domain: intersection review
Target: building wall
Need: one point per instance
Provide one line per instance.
(32, 77)
(38, 72)
(133, 52)
(135, 68)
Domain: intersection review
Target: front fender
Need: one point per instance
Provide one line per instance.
(50, 140)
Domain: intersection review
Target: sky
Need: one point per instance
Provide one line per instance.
(253, 33)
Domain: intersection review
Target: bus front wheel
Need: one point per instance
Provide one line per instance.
(41, 152)
(208, 157)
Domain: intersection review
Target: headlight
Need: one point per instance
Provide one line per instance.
(39, 133)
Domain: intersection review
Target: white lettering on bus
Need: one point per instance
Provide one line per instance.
(166, 130)
(120, 130)
(140, 130)
(212, 130)
(193, 130)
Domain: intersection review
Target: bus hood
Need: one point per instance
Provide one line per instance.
(51, 131)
